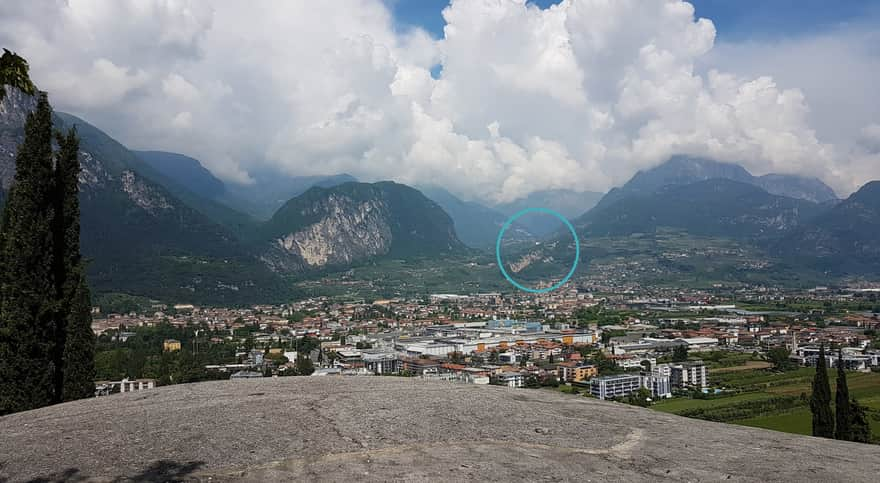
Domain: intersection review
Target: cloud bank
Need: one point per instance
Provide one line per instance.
(580, 95)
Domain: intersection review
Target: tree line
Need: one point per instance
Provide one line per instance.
(46, 339)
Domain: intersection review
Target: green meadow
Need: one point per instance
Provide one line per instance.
(773, 400)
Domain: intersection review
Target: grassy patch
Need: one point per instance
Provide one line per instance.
(773, 400)
(680, 405)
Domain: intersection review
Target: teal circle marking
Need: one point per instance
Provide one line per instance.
(577, 249)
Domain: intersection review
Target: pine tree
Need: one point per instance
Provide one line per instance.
(820, 401)
(75, 341)
(843, 416)
(860, 429)
(27, 308)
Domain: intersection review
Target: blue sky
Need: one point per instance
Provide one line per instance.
(735, 20)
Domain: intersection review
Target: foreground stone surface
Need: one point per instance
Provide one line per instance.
(396, 429)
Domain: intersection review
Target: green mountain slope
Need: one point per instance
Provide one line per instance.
(143, 239)
(715, 207)
(844, 241)
(186, 171)
(137, 236)
(186, 179)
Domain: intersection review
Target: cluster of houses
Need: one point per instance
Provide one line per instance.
(513, 339)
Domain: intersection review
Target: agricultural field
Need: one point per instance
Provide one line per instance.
(772, 400)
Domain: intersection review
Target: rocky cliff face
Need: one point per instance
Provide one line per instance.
(14, 109)
(347, 231)
(352, 222)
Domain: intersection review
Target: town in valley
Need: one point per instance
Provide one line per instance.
(744, 357)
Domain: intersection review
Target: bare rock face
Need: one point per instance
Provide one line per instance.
(143, 194)
(352, 222)
(337, 428)
(346, 231)
(14, 109)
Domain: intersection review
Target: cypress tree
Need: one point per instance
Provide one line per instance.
(46, 341)
(820, 401)
(79, 347)
(843, 416)
(27, 307)
(860, 429)
(75, 344)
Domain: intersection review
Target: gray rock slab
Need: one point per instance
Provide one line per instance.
(398, 429)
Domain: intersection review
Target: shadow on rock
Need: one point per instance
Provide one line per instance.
(162, 470)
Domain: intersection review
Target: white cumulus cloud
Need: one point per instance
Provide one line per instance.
(579, 95)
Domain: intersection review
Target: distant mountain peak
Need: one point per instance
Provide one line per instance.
(682, 170)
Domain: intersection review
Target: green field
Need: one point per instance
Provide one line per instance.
(772, 400)
(680, 404)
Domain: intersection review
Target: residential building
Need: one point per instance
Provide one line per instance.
(608, 387)
(510, 379)
(575, 372)
(659, 385)
(692, 374)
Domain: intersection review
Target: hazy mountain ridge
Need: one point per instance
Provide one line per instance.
(684, 170)
(475, 224)
(570, 204)
(270, 191)
(195, 186)
(185, 170)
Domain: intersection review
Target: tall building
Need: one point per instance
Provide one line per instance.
(659, 385)
(692, 374)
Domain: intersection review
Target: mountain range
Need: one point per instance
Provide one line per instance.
(711, 207)
(258, 200)
(683, 170)
(157, 228)
(160, 224)
(797, 223)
